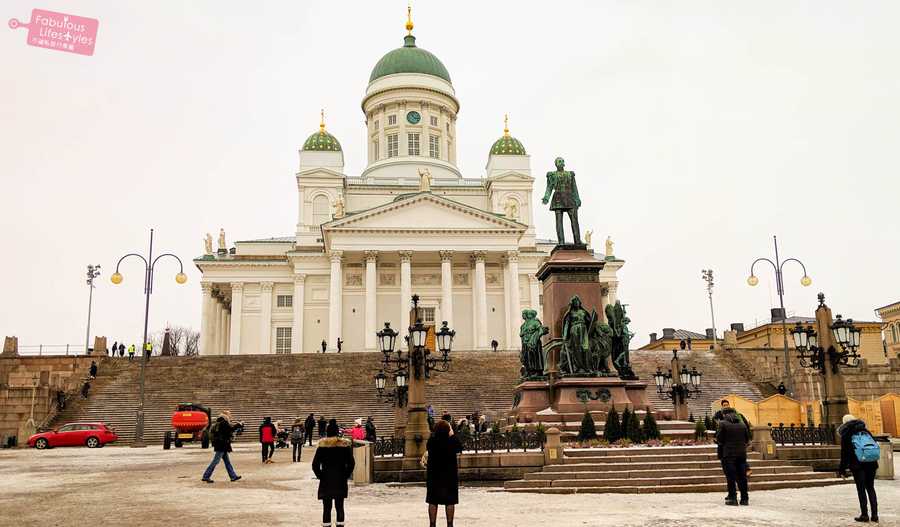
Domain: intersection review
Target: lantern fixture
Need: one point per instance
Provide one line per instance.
(841, 331)
(445, 339)
(387, 339)
(380, 379)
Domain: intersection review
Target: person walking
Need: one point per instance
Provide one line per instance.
(494, 345)
(442, 472)
(221, 434)
(267, 434)
(371, 432)
(309, 425)
(85, 389)
(121, 349)
(860, 453)
(114, 349)
(131, 353)
(148, 350)
(324, 345)
(323, 424)
(340, 344)
(93, 370)
(333, 464)
(297, 439)
(733, 436)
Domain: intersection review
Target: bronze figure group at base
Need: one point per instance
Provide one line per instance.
(586, 346)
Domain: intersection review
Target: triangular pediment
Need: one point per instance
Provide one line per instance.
(424, 211)
(511, 175)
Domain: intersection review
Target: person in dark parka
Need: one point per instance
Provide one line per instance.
(308, 426)
(221, 433)
(333, 465)
(442, 472)
(323, 424)
(733, 436)
(863, 472)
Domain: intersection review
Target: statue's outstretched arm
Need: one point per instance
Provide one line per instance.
(575, 191)
(551, 184)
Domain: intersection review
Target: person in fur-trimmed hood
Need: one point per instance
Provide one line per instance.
(333, 465)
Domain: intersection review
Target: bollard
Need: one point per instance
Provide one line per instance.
(762, 442)
(886, 461)
(553, 449)
(364, 457)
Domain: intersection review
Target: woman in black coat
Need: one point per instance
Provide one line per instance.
(333, 465)
(442, 473)
(863, 472)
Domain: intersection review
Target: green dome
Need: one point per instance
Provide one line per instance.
(507, 146)
(409, 59)
(322, 141)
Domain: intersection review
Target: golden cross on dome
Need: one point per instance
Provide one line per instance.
(322, 122)
(409, 22)
(506, 125)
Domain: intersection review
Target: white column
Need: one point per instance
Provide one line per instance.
(474, 302)
(535, 290)
(405, 289)
(481, 298)
(206, 307)
(515, 300)
(265, 317)
(371, 299)
(336, 293)
(507, 307)
(613, 292)
(226, 326)
(237, 313)
(447, 287)
(297, 327)
(217, 327)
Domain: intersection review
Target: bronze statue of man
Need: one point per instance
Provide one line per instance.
(561, 183)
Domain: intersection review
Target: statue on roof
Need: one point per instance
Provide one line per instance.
(609, 248)
(222, 245)
(207, 244)
(511, 209)
(561, 184)
(424, 180)
(339, 208)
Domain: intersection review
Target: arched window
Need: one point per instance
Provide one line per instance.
(321, 210)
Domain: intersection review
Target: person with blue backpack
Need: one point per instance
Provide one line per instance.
(860, 453)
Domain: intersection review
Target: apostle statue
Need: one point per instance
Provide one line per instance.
(339, 208)
(587, 237)
(207, 244)
(609, 248)
(223, 247)
(511, 209)
(575, 357)
(621, 338)
(561, 183)
(532, 355)
(424, 180)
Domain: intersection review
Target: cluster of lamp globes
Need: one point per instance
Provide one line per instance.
(752, 280)
(116, 278)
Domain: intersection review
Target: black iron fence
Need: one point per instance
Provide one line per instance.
(803, 435)
(509, 441)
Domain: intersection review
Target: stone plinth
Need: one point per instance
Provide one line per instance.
(568, 272)
(530, 398)
(11, 347)
(579, 394)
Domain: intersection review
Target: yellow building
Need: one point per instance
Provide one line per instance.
(770, 335)
(890, 325)
(671, 340)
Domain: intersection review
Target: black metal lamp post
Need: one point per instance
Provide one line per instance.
(778, 266)
(679, 386)
(116, 278)
(816, 357)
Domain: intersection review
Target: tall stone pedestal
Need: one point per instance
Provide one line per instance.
(571, 270)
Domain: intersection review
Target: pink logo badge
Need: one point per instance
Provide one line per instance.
(51, 30)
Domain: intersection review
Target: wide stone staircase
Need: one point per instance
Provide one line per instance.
(283, 387)
(642, 470)
(336, 385)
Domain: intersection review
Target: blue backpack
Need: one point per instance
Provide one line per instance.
(865, 448)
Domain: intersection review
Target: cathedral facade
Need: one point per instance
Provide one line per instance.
(410, 223)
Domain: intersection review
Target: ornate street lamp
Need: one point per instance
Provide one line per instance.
(93, 271)
(116, 278)
(678, 386)
(753, 280)
(813, 356)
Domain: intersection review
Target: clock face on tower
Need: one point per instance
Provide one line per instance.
(413, 117)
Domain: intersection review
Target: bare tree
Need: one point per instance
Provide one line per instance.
(191, 342)
(183, 340)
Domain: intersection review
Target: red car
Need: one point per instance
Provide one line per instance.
(91, 435)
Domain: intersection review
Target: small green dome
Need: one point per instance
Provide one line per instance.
(322, 141)
(409, 59)
(507, 146)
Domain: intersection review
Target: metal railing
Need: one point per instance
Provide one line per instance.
(509, 441)
(41, 350)
(803, 435)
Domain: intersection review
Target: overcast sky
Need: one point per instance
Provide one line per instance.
(697, 130)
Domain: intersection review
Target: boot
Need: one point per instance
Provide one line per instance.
(862, 518)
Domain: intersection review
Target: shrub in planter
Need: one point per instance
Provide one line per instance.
(588, 430)
(651, 429)
(626, 421)
(691, 417)
(632, 428)
(699, 430)
(612, 430)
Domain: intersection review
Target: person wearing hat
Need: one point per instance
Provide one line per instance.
(860, 453)
(333, 465)
(297, 437)
(358, 433)
(267, 433)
